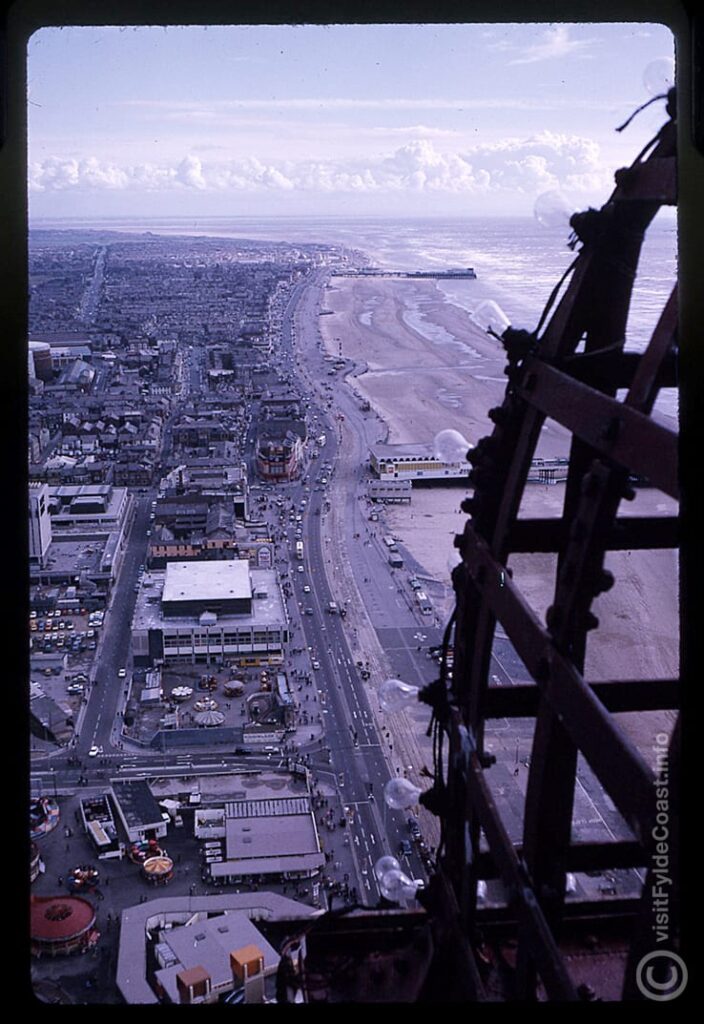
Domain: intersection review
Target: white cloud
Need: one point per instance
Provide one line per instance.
(160, 110)
(190, 172)
(556, 43)
(417, 131)
(510, 166)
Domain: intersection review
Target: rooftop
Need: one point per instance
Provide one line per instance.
(422, 449)
(268, 610)
(208, 944)
(59, 918)
(135, 800)
(131, 965)
(207, 580)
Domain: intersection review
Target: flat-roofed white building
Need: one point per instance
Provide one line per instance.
(191, 588)
(275, 836)
(390, 490)
(99, 507)
(39, 523)
(209, 612)
(209, 944)
(413, 462)
(164, 930)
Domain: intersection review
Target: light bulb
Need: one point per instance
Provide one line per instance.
(394, 694)
(400, 794)
(397, 886)
(659, 76)
(453, 560)
(384, 864)
(491, 318)
(450, 446)
(553, 210)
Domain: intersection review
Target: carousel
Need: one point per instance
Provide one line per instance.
(205, 704)
(158, 870)
(209, 718)
(43, 816)
(181, 693)
(61, 925)
(83, 878)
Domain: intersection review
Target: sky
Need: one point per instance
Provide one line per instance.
(334, 120)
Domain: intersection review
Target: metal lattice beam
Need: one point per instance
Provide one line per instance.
(571, 374)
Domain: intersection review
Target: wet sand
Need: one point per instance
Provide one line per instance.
(429, 368)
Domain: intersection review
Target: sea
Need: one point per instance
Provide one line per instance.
(517, 261)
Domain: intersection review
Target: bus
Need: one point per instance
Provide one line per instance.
(423, 602)
(299, 550)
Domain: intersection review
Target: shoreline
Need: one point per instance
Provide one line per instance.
(417, 386)
(416, 343)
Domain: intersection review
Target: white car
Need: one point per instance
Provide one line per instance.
(94, 751)
(121, 673)
(300, 568)
(315, 664)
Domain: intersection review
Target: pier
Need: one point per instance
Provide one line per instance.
(437, 275)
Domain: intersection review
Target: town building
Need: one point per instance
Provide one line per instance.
(89, 530)
(413, 462)
(39, 523)
(163, 933)
(206, 959)
(390, 490)
(137, 810)
(279, 449)
(210, 612)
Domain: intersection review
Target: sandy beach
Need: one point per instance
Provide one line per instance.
(428, 368)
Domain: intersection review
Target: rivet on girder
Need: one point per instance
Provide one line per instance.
(604, 581)
(552, 617)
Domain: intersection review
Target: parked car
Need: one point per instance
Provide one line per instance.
(414, 828)
(121, 673)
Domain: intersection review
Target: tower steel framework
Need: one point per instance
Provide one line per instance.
(570, 373)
